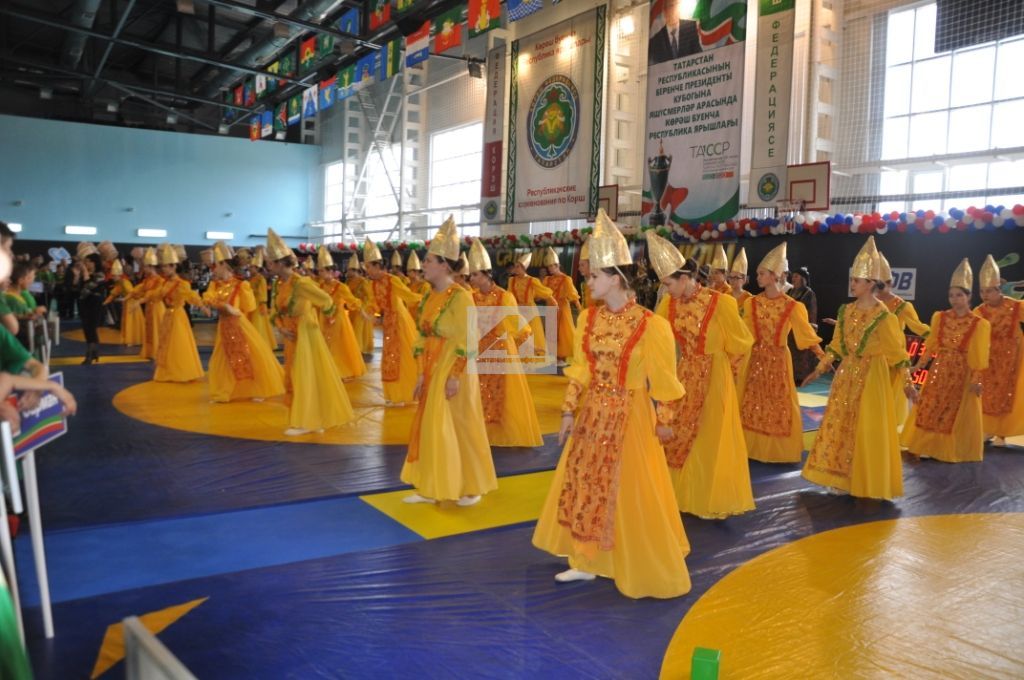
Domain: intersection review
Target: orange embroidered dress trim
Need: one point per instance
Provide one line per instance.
(948, 375)
(1000, 378)
(492, 385)
(235, 345)
(766, 404)
(390, 360)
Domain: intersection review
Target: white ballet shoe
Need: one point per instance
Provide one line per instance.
(466, 501)
(570, 575)
(416, 498)
(258, 400)
(296, 432)
(998, 441)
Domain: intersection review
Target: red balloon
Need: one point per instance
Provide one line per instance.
(894, 216)
(944, 229)
(902, 228)
(1018, 209)
(929, 215)
(986, 216)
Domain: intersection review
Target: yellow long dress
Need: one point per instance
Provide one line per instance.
(177, 358)
(946, 424)
(509, 410)
(611, 509)
(242, 366)
(149, 293)
(769, 408)
(907, 317)
(397, 365)
(361, 326)
(449, 454)
(421, 288)
(564, 292)
(1002, 383)
(260, 317)
(707, 457)
(133, 321)
(857, 448)
(527, 290)
(341, 338)
(315, 394)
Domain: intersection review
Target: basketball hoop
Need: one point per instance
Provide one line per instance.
(789, 206)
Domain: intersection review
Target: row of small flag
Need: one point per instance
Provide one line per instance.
(378, 66)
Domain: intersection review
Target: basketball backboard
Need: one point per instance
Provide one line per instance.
(809, 185)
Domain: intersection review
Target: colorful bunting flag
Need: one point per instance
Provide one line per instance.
(287, 69)
(239, 93)
(307, 55)
(229, 113)
(518, 9)
(261, 86)
(448, 30)
(309, 101)
(272, 82)
(254, 128)
(391, 59)
(483, 16)
(417, 45)
(403, 5)
(328, 92)
(295, 109)
(349, 22)
(366, 70)
(281, 117)
(324, 45)
(346, 80)
(380, 13)
(250, 92)
(267, 123)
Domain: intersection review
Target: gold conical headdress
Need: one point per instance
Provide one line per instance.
(396, 259)
(719, 260)
(464, 268)
(739, 263)
(550, 257)
(276, 249)
(86, 249)
(165, 254)
(990, 276)
(371, 253)
(179, 249)
(884, 270)
(608, 247)
(257, 257)
(479, 259)
(525, 259)
(665, 257)
(107, 251)
(244, 255)
(446, 241)
(116, 269)
(866, 264)
(222, 251)
(413, 263)
(206, 256)
(585, 249)
(323, 258)
(149, 257)
(775, 260)
(962, 277)
(354, 264)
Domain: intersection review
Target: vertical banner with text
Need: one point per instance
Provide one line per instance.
(772, 94)
(556, 93)
(694, 108)
(494, 124)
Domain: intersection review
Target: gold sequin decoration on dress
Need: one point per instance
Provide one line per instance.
(949, 372)
(999, 380)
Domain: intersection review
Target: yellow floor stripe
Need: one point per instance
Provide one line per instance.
(110, 359)
(811, 400)
(518, 499)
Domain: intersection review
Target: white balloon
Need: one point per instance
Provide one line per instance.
(998, 220)
(855, 227)
(800, 219)
(857, 220)
(883, 230)
(705, 235)
(979, 224)
(951, 222)
(1006, 214)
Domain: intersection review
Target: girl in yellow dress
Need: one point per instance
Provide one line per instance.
(857, 449)
(718, 275)
(260, 317)
(388, 298)
(737, 278)
(449, 457)
(177, 358)
(316, 397)
(396, 267)
(527, 290)
(509, 411)
(414, 270)
(242, 366)
(611, 509)
(133, 321)
(707, 456)
(566, 297)
(341, 339)
(1002, 383)
(768, 402)
(362, 323)
(148, 294)
(946, 422)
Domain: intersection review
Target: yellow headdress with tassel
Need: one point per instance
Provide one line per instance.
(371, 253)
(775, 260)
(116, 269)
(396, 259)
(719, 260)
(962, 277)
(276, 249)
(525, 259)
(86, 249)
(464, 269)
(149, 257)
(665, 257)
(165, 254)
(550, 257)
(884, 270)
(866, 264)
(990, 276)
(323, 258)
(739, 263)
(222, 251)
(479, 259)
(608, 247)
(446, 241)
(413, 263)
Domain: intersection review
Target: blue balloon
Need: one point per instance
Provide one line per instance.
(999, 209)
(848, 219)
(824, 227)
(938, 221)
(956, 213)
(798, 228)
(989, 209)
(892, 224)
(920, 214)
(903, 218)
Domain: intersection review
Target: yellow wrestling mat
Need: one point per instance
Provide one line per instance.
(110, 359)
(811, 400)
(187, 407)
(204, 331)
(918, 597)
(518, 499)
